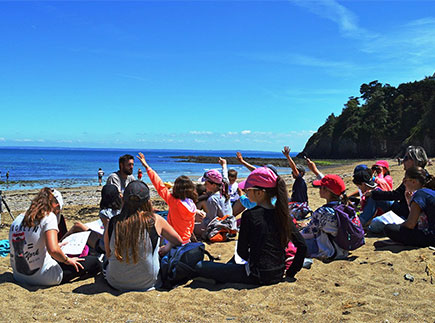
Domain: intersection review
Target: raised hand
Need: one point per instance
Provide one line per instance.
(286, 151)
(239, 157)
(141, 158)
(222, 161)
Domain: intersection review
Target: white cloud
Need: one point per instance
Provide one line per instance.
(245, 132)
(2, 139)
(194, 132)
(346, 20)
(28, 140)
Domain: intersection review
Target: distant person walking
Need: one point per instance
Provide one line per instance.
(139, 174)
(123, 176)
(100, 176)
(7, 177)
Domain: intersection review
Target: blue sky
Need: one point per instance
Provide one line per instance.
(198, 74)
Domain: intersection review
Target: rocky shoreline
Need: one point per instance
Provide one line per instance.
(279, 162)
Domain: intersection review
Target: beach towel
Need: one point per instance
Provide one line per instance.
(4, 248)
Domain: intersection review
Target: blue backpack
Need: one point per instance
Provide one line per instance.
(177, 267)
(350, 235)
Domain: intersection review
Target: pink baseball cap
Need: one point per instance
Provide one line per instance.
(214, 176)
(332, 182)
(260, 177)
(383, 163)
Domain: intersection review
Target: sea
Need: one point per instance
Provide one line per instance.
(31, 168)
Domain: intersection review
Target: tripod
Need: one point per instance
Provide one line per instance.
(3, 201)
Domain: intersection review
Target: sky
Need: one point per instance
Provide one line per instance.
(242, 75)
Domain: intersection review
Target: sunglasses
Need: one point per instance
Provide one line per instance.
(254, 189)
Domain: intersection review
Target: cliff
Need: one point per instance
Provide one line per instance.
(381, 122)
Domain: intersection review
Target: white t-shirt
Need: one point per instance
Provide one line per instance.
(30, 260)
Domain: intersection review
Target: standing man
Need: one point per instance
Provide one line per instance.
(7, 177)
(123, 176)
(100, 175)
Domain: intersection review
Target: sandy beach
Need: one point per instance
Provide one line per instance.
(369, 286)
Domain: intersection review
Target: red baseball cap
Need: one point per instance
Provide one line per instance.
(332, 182)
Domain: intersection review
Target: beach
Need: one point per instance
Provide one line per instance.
(369, 286)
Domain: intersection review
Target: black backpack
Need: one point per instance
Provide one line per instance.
(177, 267)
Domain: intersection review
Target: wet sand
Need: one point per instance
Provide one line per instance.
(369, 286)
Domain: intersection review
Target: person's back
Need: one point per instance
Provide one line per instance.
(132, 241)
(143, 274)
(30, 260)
(299, 191)
(324, 223)
(182, 208)
(258, 233)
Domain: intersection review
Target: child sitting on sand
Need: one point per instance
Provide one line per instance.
(233, 187)
(299, 191)
(323, 222)
(181, 202)
(218, 203)
(265, 232)
(419, 229)
(36, 257)
(132, 240)
(370, 208)
(385, 183)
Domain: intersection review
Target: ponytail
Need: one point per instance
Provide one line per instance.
(225, 191)
(282, 212)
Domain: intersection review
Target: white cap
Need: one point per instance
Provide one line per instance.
(58, 197)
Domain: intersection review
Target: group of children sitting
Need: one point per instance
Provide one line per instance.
(135, 237)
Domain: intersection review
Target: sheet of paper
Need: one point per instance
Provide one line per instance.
(390, 218)
(237, 258)
(75, 243)
(96, 226)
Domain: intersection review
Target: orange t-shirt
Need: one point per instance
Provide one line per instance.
(181, 214)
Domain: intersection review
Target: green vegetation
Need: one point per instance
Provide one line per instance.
(380, 122)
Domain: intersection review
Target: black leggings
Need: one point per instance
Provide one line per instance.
(410, 237)
(91, 266)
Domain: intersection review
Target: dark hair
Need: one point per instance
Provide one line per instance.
(184, 188)
(418, 155)
(282, 214)
(200, 189)
(421, 175)
(110, 198)
(232, 173)
(301, 169)
(225, 191)
(125, 158)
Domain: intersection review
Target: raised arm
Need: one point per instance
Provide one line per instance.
(244, 163)
(161, 188)
(223, 163)
(312, 167)
(286, 152)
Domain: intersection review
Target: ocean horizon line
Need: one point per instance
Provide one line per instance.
(135, 148)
